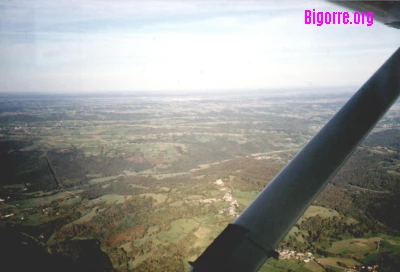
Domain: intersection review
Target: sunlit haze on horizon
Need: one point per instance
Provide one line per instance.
(182, 46)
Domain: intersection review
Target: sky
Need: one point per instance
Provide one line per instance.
(182, 46)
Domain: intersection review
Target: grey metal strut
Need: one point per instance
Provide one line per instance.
(251, 239)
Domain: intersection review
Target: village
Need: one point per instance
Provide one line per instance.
(233, 204)
(228, 198)
(286, 254)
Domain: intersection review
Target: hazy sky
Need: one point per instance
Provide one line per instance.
(82, 46)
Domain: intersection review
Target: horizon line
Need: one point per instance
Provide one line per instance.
(189, 92)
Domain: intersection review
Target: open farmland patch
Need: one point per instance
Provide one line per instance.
(86, 218)
(203, 233)
(45, 200)
(360, 246)
(244, 198)
(318, 211)
(177, 230)
(127, 247)
(162, 176)
(98, 180)
(333, 262)
(159, 198)
(107, 199)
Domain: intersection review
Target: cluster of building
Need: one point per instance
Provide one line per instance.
(2, 200)
(233, 204)
(286, 254)
(49, 212)
(25, 129)
(263, 158)
(209, 200)
(7, 216)
(374, 268)
(219, 182)
(21, 214)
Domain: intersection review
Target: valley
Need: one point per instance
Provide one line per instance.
(145, 183)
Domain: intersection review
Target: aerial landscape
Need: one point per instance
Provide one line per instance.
(133, 133)
(145, 183)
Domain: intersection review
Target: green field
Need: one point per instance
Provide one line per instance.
(39, 200)
(162, 176)
(333, 262)
(108, 199)
(98, 180)
(177, 230)
(244, 198)
(38, 219)
(360, 246)
(269, 268)
(159, 198)
(86, 218)
(319, 211)
(311, 266)
(71, 201)
(15, 186)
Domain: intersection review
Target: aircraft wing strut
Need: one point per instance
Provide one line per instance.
(251, 239)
